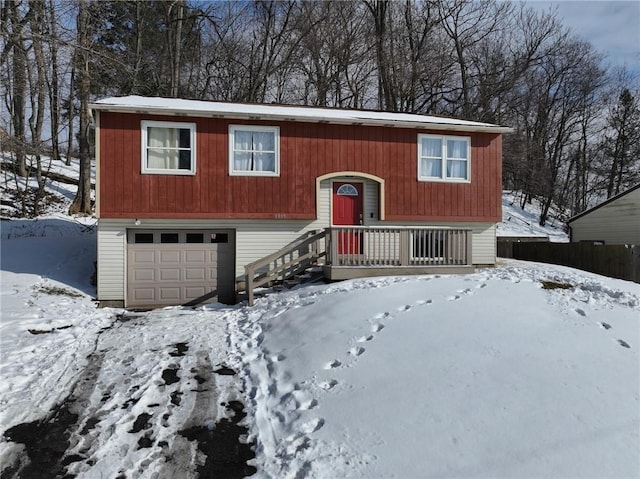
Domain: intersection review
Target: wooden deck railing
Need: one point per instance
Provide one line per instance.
(362, 246)
(398, 246)
(293, 259)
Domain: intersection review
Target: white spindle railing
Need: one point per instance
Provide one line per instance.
(398, 246)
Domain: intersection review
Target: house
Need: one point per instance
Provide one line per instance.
(199, 199)
(614, 221)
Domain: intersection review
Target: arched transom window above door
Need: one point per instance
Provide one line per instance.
(347, 190)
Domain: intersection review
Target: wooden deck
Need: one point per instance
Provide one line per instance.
(360, 251)
(348, 252)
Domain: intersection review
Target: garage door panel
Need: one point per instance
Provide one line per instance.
(174, 273)
(195, 274)
(140, 274)
(145, 294)
(169, 294)
(197, 256)
(195, 291)
(170, 256)
(169, 274)
(144, 257)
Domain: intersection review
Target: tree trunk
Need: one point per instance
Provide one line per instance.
(82, 201)
(38, 104)
(54, 87)
(177, 51)
(71, 113)
(378, 9)
(19, 89)
(137, 84)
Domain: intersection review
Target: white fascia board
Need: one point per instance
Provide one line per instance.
(241, 111)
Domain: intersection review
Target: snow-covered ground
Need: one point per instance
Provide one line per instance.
(134, 380)
(60, 193)
(481, 375)
(525, 222)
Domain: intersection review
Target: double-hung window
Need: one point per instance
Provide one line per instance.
(254, 150)
(168, 148)
(444, 158)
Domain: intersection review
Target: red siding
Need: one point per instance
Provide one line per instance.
(307, 151)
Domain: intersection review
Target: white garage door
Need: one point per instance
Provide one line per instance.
(172, 267)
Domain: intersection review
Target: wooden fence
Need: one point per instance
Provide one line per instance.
(615, 261)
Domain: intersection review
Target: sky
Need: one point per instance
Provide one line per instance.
(612, 27)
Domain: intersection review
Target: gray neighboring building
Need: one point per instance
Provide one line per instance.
(615, 221)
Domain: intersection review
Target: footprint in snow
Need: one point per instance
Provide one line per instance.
(406, 307)
(480, 286)
(377, 327)
(624, 344)
(453, 298)
(308, 404)
(333, 364)
(605, 325)
(298, 400)
(580, 312)
(422, 302)
(384, 315)
(327, 385)
(312, 426)
(356, 351)
(464, 291)
(364, 339)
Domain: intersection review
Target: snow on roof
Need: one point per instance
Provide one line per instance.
(171, 106)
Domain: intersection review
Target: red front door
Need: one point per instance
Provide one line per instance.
(348, 211)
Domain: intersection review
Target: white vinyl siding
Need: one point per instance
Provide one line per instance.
(615, 223)
(112, 244)
(371, 201)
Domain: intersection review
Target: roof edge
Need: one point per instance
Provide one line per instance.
(157, 110)
(604, 203)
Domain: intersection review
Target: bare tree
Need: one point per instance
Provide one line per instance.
(82, 201)
(549, 117)
(622, 143)
(38, 98)
(248, 45)
(332, 66)
(54, 82)
(16, 46)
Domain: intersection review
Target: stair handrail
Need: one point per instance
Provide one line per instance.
(311, 239)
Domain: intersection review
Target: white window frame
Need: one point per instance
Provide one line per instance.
(272, 129)
(144, 125)
(444, 158)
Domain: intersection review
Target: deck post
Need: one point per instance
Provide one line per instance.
(405, 237)
(334, 247)
(249, 274)
(469, 253)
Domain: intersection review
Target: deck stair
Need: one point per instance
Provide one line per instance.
(292, 265)
(347, 252)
